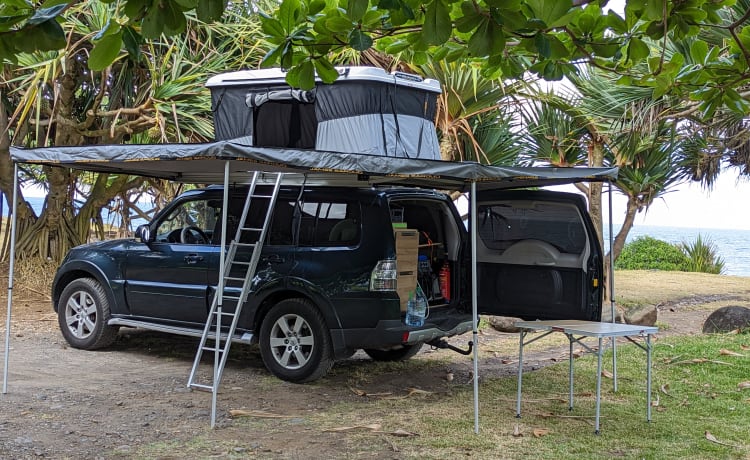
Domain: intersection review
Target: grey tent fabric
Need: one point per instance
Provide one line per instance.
(197, 163)
(365, 111)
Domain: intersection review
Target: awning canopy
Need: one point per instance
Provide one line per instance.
(197, 163)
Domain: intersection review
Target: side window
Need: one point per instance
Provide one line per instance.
(191, 222)
(329, 223)
(280, 232)
(502, 224)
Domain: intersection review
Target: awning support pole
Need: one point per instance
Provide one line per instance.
(612, 286)
(10, 276)
(474, 296)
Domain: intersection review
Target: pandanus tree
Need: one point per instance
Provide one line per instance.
(153, 91)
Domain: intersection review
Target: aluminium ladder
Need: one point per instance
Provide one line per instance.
(227, 288)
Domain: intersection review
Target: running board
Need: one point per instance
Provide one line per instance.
(245, 338)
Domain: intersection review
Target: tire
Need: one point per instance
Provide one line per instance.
(398, 354)
(83, 312)
(295, 343)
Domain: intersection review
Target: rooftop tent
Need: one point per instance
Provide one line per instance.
(366, 110)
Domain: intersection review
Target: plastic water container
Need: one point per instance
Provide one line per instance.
(416, 309)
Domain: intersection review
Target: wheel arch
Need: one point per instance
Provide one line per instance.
(77, 270)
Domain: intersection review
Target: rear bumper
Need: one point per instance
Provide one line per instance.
(391, 333)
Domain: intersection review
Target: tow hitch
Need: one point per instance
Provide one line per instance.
(442, 343)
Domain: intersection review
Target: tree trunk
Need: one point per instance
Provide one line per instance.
(25, 217)
(596, 160)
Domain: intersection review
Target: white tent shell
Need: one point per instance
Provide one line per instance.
(232, 162)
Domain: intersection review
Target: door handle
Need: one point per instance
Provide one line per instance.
(193, 258)
(273, 259)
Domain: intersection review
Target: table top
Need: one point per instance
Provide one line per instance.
(588, 328)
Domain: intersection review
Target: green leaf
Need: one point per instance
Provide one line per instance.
(174, 19)
(210, 10)
(339, 24)
(45, 36)
(654, 10)
(187, 4)
(553, 13)
(135, 9)
(357, 8)
(325, 70)
(132, 41)
(397, 46)
(105, 51)
(153, 24)
(302, 75)
(455, 54)
(698, 51)
(289, 12)
(269, 60)
(469, 19)
(542, 45)
(637, 50)
(359, 40)
(272, 27)
(420, 58)
(316, 6)
(437, 26)
(45, 14)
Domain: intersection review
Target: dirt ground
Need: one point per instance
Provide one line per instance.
(121, 402)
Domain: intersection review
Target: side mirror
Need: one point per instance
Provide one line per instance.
(143, 232)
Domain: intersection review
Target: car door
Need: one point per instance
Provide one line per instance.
(167, 279)
(277, 261)
(538, 256)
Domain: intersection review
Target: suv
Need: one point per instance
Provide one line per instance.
(336, 271)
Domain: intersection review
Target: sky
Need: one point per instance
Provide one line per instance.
(690, 205)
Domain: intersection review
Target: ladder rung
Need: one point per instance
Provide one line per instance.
(236, 262)
(230, 297)
(246, 245)
(232, 278)
(224, 313)
(261, 196)
(251, 229)
(200, 386)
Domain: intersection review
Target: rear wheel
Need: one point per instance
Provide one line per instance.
(295, 343)
(398, 354)
(83, 312)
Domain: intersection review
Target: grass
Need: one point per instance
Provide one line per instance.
(647, 287)
(693, 398)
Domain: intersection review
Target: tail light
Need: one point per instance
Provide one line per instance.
(383, 276)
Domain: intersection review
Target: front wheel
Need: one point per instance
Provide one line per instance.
(294, 342)
(83, 312)
(398, 354)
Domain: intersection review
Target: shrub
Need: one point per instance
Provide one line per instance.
(702, 256)
(647, 253)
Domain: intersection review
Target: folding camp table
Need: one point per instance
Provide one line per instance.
(577, 330)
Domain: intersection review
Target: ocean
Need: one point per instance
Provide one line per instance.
(732, 245)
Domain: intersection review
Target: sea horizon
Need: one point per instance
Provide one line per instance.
(733, 245)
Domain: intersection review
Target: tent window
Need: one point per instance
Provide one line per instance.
(289, 124)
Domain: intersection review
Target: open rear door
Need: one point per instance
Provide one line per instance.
(538, 256)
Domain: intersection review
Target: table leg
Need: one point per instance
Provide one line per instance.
(648, 378)
(598, 384)
(522, 336)
(570, 372)
(614, 363)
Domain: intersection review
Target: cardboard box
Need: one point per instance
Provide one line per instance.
(407, 252)
(407, 249)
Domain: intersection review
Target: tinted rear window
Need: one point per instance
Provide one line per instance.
(506, 222)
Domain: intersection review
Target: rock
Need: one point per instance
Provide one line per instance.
(504, 324)
(642, 315)
(727, 319)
